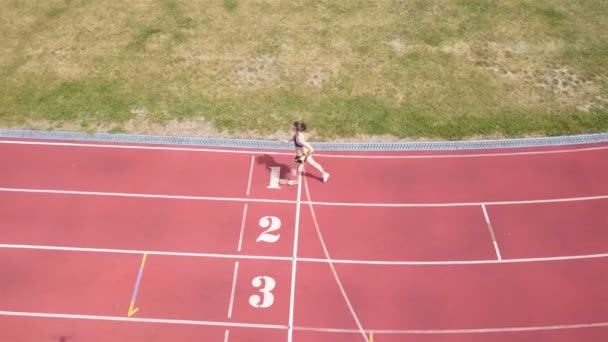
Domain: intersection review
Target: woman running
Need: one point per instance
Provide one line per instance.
(303, 153)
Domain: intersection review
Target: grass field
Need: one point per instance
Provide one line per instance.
(354, 69)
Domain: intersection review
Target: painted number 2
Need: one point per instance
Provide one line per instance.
(267, 298)
(269, 235)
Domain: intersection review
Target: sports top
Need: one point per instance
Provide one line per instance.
(296, 142)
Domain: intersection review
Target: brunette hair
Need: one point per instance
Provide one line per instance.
(300, 126)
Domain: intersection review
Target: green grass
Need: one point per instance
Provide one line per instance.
(416, 69)
(231, 5)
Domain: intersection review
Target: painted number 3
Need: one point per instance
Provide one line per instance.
(267, 297)
(269, 235)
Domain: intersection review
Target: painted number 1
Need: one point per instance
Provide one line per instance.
(269, 235)
(267, 298)
(275, 175)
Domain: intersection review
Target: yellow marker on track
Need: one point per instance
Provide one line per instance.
(132, 308)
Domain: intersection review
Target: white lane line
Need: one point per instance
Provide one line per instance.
(489, 223)
(327, 155)
(133, 251)
(302, 259)
(250, 176)
(458, 204)
(125, 194)
(456, 262)
(317, 203)
(140, 320)
(226, 334)
(333, 269)
(239, 247)
(314, 329)
(461, 331)
(231, 304)
(294, 263)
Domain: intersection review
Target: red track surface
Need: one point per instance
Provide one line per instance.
(492, 246)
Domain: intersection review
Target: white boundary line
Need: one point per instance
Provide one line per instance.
(294, 262)
(451, 156)
(236, 270)
(142, 147)
(242, 233)
(226, 334)
(240, 244)
(314, 329)
(342, 204)
(303, 259)
(250, 176)
(485, 214)
(353, 156)
(331, 265)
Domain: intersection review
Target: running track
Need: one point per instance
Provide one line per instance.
(106, 242)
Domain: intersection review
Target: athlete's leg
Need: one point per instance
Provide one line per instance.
(319, 168)
(293, 173)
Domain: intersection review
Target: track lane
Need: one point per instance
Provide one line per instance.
(393, 234)
(445, 180)
(123, 170)
(551, 229)
(458, 296)
(592, 334)
(53, 281)
(143, 224)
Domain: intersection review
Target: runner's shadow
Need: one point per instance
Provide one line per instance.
(268, 161)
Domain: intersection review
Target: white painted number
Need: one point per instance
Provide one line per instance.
(268, 298)
(275, 175)
(272, 223)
